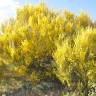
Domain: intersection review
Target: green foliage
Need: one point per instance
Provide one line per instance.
(77, 63)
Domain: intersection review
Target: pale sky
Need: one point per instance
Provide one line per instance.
(8, 7)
